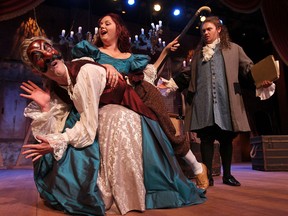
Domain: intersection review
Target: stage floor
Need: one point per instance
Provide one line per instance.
(261, 193)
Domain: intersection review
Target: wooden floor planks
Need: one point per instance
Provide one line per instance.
(261, 193)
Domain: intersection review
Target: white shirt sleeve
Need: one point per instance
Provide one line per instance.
(170, 85)
(265, 93)
(85, 95)
(51, 122)
(89, 86)
(150, 74)
(47, 122)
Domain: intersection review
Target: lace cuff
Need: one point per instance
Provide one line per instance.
(265, 93)
(150, 74)
(58, 143)
(47, 122)
(33, 110)
(170, 85)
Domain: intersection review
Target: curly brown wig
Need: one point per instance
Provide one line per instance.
(224, 34)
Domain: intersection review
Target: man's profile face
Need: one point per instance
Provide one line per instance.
(41, 53)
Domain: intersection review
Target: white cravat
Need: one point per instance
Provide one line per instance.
(208, 50)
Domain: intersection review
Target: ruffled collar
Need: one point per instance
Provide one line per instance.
(208, 50)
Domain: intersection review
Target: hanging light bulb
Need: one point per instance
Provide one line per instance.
(157, 7)
(202, 18)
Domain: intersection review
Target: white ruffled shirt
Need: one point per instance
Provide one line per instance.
(265, 93)
(208, 50)
(85, 95)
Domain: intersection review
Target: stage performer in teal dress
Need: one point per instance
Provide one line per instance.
(126, 64)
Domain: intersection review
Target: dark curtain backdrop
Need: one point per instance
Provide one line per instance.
(275, 15)
(12, 8)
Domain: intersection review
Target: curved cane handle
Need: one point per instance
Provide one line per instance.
(192, 20)
(203, 8)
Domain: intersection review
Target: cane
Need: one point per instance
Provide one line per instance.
(192, 20)
(189, 24)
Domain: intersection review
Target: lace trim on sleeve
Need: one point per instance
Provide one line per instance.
(47, 122)
(33, 110)
(150, 74)
(170, 85)
(58, 143)
(265, 93)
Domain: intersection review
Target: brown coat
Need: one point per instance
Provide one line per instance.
(236, 61)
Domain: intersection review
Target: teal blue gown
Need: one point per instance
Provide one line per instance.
(70, 184)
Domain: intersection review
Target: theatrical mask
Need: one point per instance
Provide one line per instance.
(41, 53)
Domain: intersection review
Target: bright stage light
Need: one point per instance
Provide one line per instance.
(176, 12)
(131, 2)
(157, 7)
